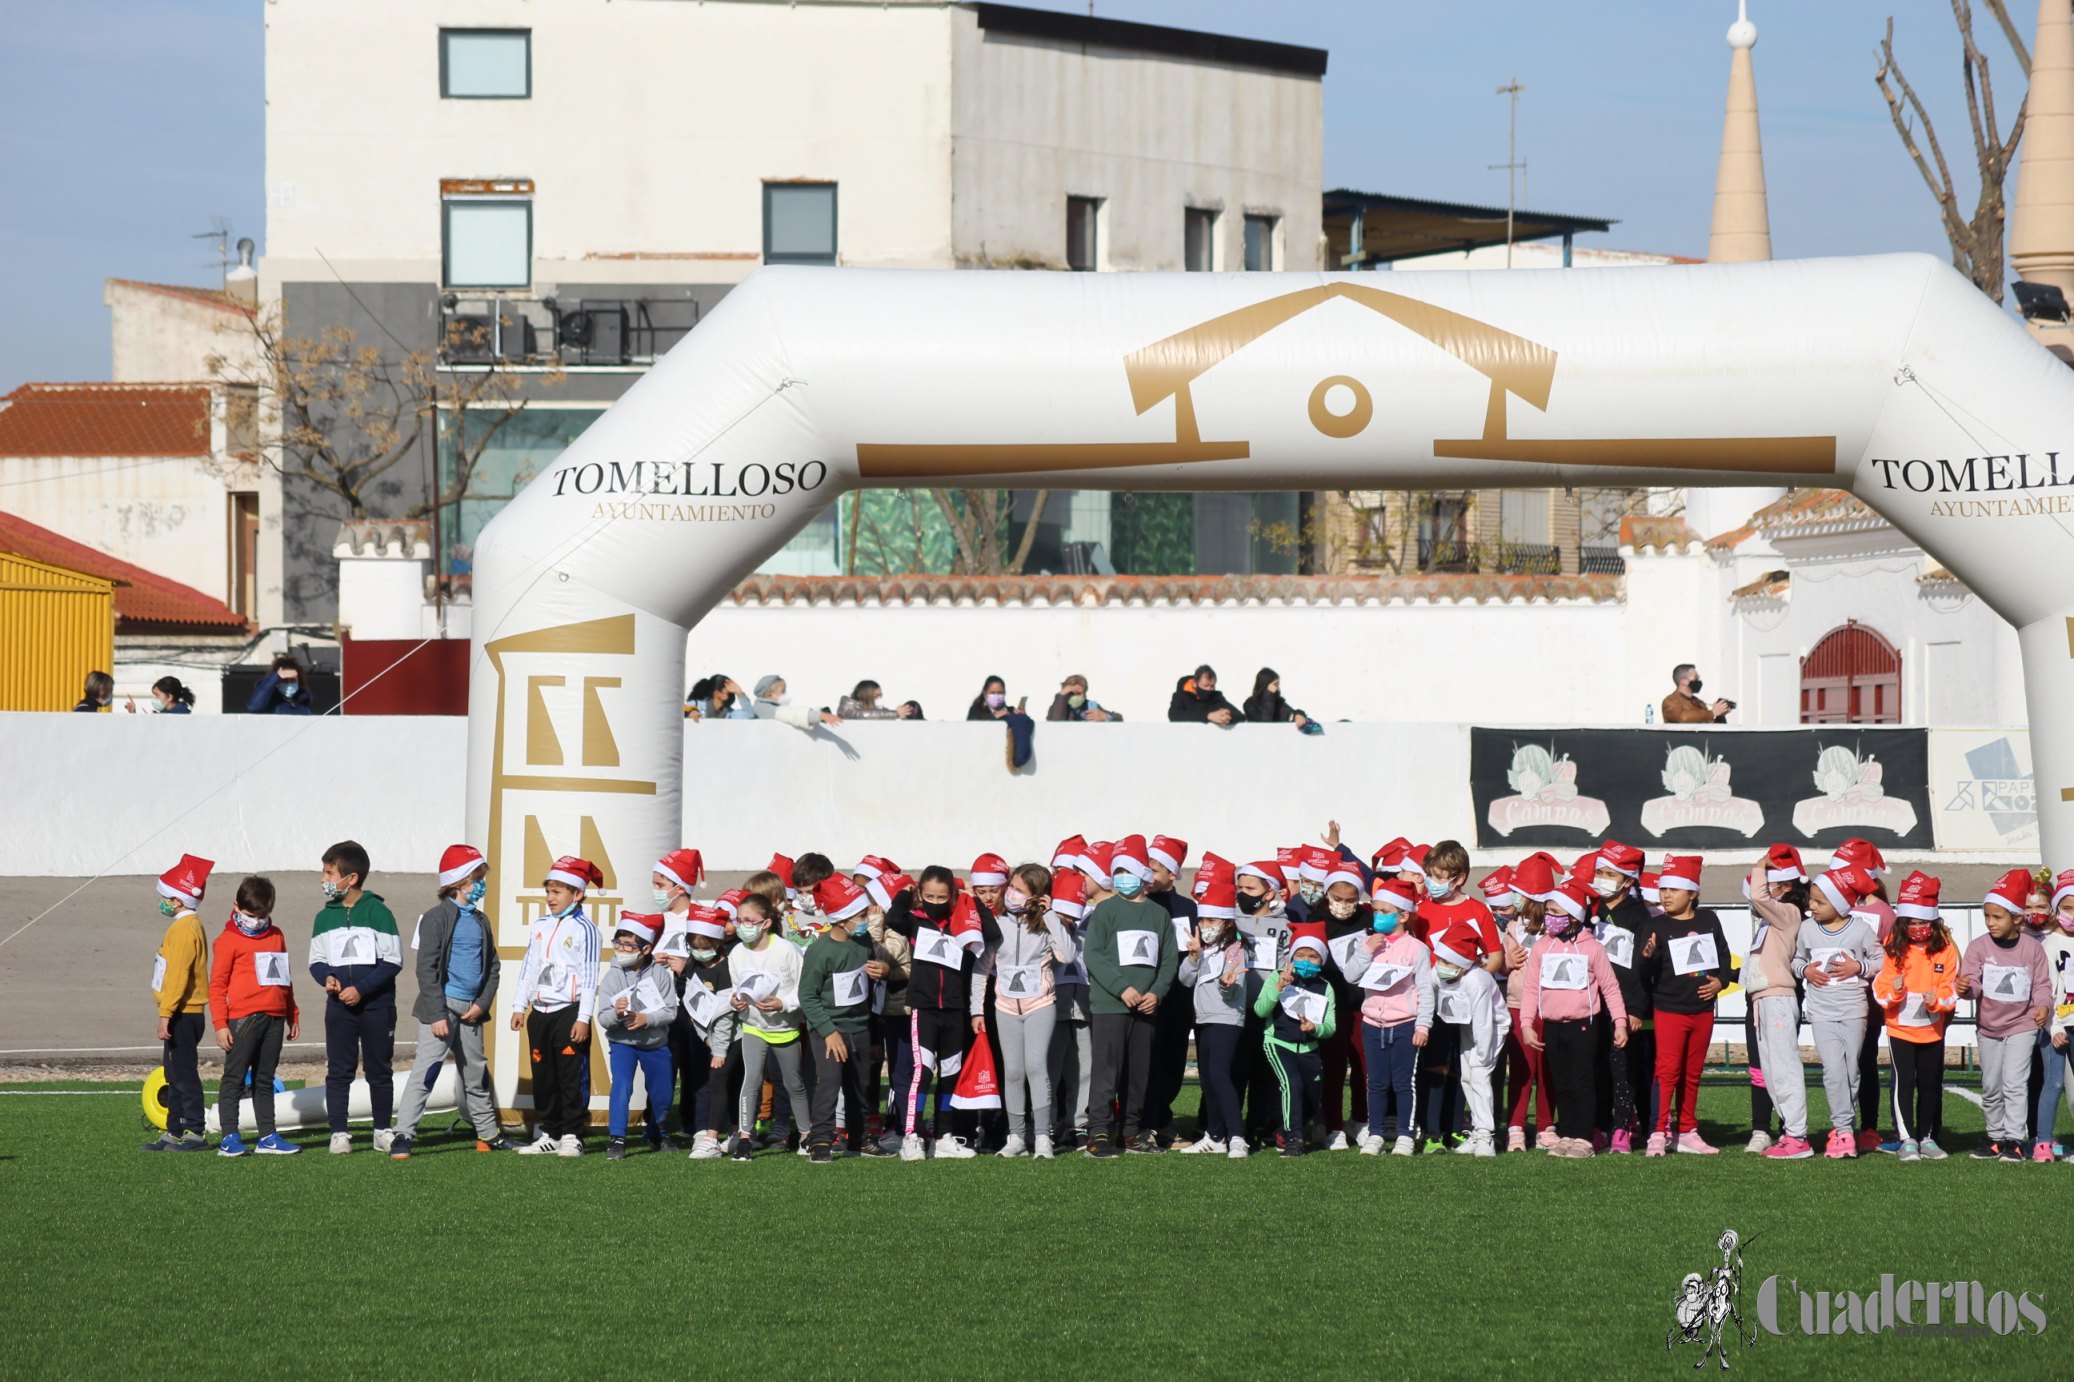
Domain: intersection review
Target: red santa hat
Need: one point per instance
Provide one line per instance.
(1390, 857)
(1918, 900)
(1289, 863)
(1415, 860)
(186, 880)
(1571, 897)
(1218, 899)
(839, 899)
(1168, 852)
(1098, 861)
(1620, 858)
(1646, 885)
(1584, 868)
(710, 922)
(456, 862)
(887, 886)
(1393, 892)
(1266, 870)
(781, 866)
(1782, 865)
(989, 871)
(729, 902)
(874, 865)
(1679, 871)
(580, 874)
(1864, 853)
(1214, 869)
(2062, 886)
(1069, 893)
(1461, 944)
(2012, 891)
(1304, 938)
(684, 867)
(1846, 886)
(1318, 863)
(645, 927)
(1072, 854)
(1344, 872)
(1130, 854)
(1534, 879)
(1497, 887)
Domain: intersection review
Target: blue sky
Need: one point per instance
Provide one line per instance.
(125, 125)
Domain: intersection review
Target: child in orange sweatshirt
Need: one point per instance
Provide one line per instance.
(254, 997)
(1918, 990)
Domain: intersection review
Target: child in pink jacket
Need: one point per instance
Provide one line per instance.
(1395, 974)
(1566, 982)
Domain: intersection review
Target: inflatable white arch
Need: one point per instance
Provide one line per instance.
(1892, 377)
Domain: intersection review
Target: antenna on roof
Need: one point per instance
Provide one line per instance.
(219, 231)
(1512, 165)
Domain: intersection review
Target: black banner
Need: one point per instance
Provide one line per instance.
(1701, 787)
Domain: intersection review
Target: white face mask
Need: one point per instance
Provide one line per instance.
(662, 898)
(1449, 973)
(626, 959)
(1213, 932)
(748, 933)
(1607, 888)
(249, 924)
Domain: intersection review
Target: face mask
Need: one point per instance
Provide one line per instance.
(286, 688)
(1437, 888)
(1307, 969)
(332, 891)
(995, 700)
(474, 896)
(1127, 884)
(1559, 923)
(1077, 702)
(662, 898)
(748, 933)
(1016, 901)
(1342, 910)
(1694, 687)
(859, 929)
(1385, 922)
(167, 907)
(249, 924)
(1310, 892)
(705, 957)
(626, 960)
(2066, 922)
(1213, 932)
(565, 911)
(1449, 973)
(1251, 904)
(1606, 888)
(936, 911)
(1919, 930)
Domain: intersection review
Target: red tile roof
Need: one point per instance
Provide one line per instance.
(105, 420)
(142, 598)
(1649, 534)
(206, 297)
(1798, 509)
(1171, 590)
(1768, 586)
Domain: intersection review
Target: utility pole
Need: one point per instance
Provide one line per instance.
(1512, 164)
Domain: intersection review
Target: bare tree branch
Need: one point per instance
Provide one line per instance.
(2000, 9)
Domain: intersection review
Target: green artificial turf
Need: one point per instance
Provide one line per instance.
(458, 1264)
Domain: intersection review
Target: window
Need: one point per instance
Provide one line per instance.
(244, 554)
(1083, 221)
(799, 223)
(1260, 244)
(486, 64)
(488, 241)
(1199, 240)
(1523, 515)
(1853, 676)
(1444, 535)
(520, 447)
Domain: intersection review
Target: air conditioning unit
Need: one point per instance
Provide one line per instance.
(514, 336)
(594, 334)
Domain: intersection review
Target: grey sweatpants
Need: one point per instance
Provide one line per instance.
(1072, 1055)
(1778, 1042)
(787, 1056)
(1837, 1042)
(463, 1045)
(1026, 1060)
(2005, 1084)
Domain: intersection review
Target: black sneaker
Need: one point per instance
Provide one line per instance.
(1145, 1144)
(869, 1147)
(742, 1151)
(399, 1147)
(1292, 1146)
(1102, 1149)
(820, 1153)
(662, 1142)
(616, 1149)
(499, 1143)
(1988, 1151)
(2012, 1151)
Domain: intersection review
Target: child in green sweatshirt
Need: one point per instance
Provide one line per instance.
(1297, 1006)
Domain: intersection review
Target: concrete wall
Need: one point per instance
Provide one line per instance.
(161, 338)
(169, 514)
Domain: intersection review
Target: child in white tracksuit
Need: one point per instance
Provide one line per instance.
(1470, 998)
(1835, 957)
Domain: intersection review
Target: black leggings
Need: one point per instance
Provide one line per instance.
(1918, 1088)
(1572, 1057)
(1869, 1111)
(1216, 1047)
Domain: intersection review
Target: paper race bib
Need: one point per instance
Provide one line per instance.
(1692, 954)
(936, 947)
(1138, 948)
(1262, 951)
(352, 949)
(1347, 950)
(1183, 929)
(1303, 1005)
(1620, 946)
(158, 973)
(1453, 1005)
(1382, 977)
(1565, 972)
(270, 967)
(1915, 1011)
(1019, 981)
(852, 986)
(757, 987)
(675, 945)
(550, 978)
(1210, 968)
(704, 1004)
(1068, 972)
(2005, 983)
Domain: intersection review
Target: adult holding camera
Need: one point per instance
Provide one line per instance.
(1684, 706)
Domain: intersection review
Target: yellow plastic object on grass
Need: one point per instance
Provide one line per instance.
(155, 1098)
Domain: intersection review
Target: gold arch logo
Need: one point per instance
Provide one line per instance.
(1515, 366)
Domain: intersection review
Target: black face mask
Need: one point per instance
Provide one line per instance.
(936, 911)
(1251, 905)
(1694, 686)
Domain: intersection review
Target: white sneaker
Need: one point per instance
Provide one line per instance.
(1337, 1142)
(1204, 1144)
(1466, 1147)
(1759, 1142)
(953, 1149)
(1013, 1147)
(705, 1147)
(1480, 1144)
(911, 1148)
(341, 1143)
(1404, 1147)
(804, 1149)
(543, 1145)
(1043, 1152)
(1236, 1149)
(1371, 1145)
(571, 1145)
(383, 1137)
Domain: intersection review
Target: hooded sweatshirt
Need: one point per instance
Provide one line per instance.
(650, 989)
(1409, 997)
(1539, 1003)
(359, 947)
(1935, 977)
(1023, 949)
(1476, 992)
(1768, 968)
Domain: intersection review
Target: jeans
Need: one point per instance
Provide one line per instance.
(658, 1077)
(359, 1039)
(183, 1072)
(1392, 1063)
(2053, 1061)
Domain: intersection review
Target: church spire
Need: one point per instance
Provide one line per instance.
(2041, 223)
(1742, 220)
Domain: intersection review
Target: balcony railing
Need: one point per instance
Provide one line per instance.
(482, 330)
(1448, 554)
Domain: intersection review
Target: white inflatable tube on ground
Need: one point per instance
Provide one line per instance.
(1890, 376)
(304, 1108)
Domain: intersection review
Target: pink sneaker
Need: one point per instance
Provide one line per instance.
(1515, 1139)
(1842, 1146)
(1546, 1139)
(1656, 1145)
(2042, 1152)
(1789, 1148)
(1623, 1142)
(1599, 1141)
(1693, 1142)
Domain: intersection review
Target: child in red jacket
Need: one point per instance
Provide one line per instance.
(254, 998)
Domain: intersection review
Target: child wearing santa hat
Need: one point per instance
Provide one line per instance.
(1296, 1005)
(1467, 997)
(1395, 975)
(835, 998)
(458, 970)
(1918, 991)
(1175, 1020)
(2005, 972)
(1072, 1037)
(765, 998)
(948, 929)
(1447, 906)
(2055, 1049)
(1527, 1082)
(1778, 891)
(1621, 927)
(1213, 971)
(637, 1002)
(892, 958)
(670, 884)
(1836, 955)
(254, 998)
(1877, 907)
(554, 1002)
(1265, 927)
(1033, 941)
(713, 1078)
(1566, 981)
(180, 986)
(1685, 964)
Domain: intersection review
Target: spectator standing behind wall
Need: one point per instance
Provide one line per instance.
(1197, 701)
(863, 703)
(991, 703)
(280, 691)
(98, 696)
(1073, 703)
(1266, 706)
(1684, 706)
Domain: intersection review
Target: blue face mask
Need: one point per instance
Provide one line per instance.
(1307, 969)
(859, 929)
(1127, 884)
(474, 896)
(1385, 921)
(1438, 888)
(568, 909)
